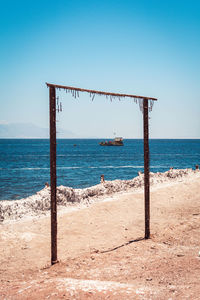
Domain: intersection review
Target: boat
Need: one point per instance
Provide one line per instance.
(118, 141)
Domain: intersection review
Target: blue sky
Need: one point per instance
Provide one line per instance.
(149, 48)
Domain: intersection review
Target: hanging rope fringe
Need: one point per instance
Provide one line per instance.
(112, 96)
(140, 104)
(58, 105)
(151, 103)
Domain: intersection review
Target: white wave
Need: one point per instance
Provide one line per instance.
(29, 169)
(115, 167)
(154, 167)
(86, 167)
(31, 155)
(70, 167)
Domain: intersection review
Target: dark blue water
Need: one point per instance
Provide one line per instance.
(24, 163)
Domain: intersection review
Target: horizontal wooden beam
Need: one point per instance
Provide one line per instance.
(98, 92)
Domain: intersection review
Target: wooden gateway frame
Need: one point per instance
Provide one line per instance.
(146, 104)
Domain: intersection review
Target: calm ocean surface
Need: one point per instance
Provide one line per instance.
(24, 163)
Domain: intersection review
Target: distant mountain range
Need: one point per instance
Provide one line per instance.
(28, 130)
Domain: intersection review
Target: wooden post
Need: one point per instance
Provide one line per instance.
(146, 168)
(52, 108)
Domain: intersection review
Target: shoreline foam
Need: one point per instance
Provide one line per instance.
(39, 203)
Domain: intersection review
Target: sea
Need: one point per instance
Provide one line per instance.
(25, 166)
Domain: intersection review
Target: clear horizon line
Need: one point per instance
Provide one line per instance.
(99, 138)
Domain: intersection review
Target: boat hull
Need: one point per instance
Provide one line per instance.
(111, 144)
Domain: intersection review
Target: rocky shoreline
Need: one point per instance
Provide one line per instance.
(39, 204)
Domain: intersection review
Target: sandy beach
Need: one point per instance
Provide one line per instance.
(101, 250)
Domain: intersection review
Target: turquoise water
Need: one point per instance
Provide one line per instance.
(24, 163)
